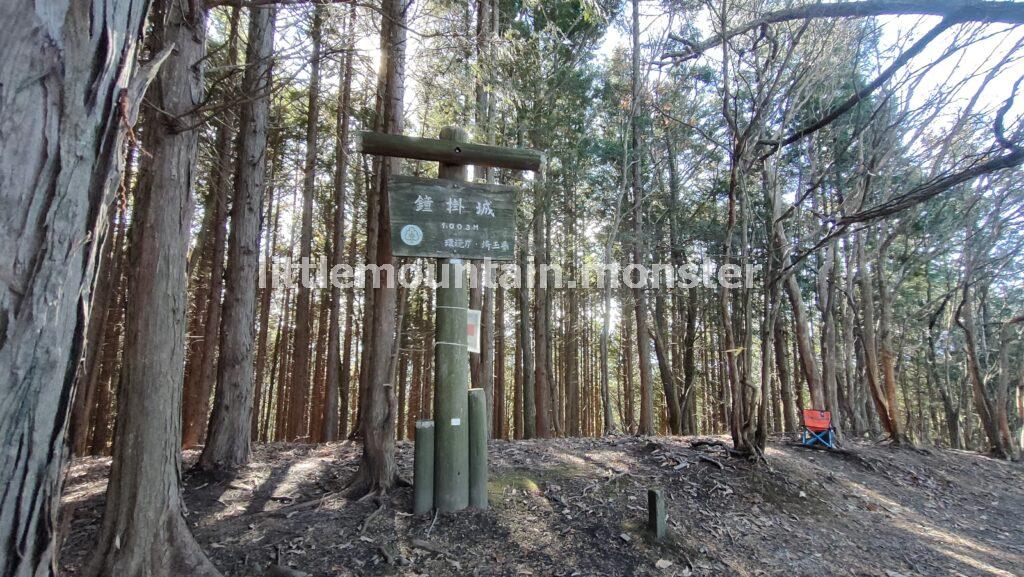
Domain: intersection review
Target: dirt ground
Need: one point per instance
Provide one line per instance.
(577, 507)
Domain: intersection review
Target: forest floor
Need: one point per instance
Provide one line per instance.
(577, 507)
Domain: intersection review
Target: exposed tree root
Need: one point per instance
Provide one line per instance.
(169, 550)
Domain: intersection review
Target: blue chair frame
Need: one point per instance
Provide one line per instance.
(809, 438)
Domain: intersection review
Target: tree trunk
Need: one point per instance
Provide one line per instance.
(517, 379)
(99, 439)
(626, 342)
(144, 531)
(867, 305)
(888, 356)
(377, 399)
(316, 405)
(802, 328)
(573, 342)
(298, 389)
(229, 442)
(528, 401)
(608, 420)
(284, 338)
(103, 302)
(827, 275)
(785, 383)
(70, 93)
(1007, 337)
(668, 377)
(331, 429)
(542, 388)
(500, 420)
(982, 404)
(643, 342)
(263, 339)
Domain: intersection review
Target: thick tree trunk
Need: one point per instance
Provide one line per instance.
(228, 442)
(144, 531)
(377, 401)
(67, 96)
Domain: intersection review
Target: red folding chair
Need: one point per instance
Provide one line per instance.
(817, 428)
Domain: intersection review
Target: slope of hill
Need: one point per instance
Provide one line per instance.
(570, 507)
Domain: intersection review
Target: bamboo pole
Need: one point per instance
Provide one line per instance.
(423, 468)
(451, 371)
(477, 449)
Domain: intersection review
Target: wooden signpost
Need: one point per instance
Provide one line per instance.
(451, 219)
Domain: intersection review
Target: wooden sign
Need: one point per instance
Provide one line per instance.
(451, 219)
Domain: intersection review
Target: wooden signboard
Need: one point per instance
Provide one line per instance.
(451, 219)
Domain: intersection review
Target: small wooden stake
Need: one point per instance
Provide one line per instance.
(477, 449)
(656, 513)
(423, 468)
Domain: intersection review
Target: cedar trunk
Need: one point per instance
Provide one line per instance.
(228, 441)
(144, 530)
(62, 131)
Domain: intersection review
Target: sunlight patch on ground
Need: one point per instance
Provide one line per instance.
(953, 545)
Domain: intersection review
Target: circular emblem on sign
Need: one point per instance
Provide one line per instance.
(412, 235)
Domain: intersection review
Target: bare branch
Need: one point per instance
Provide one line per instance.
(931, 189)
(958, 11)
(837, 111)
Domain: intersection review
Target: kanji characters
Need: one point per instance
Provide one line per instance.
(484, 208)
(424, 203)
(454, 205)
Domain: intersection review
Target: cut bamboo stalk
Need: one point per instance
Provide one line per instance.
(451, 372)
(477, 449)
(423, 468)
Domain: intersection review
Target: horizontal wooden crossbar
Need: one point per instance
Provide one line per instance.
(448, 152)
